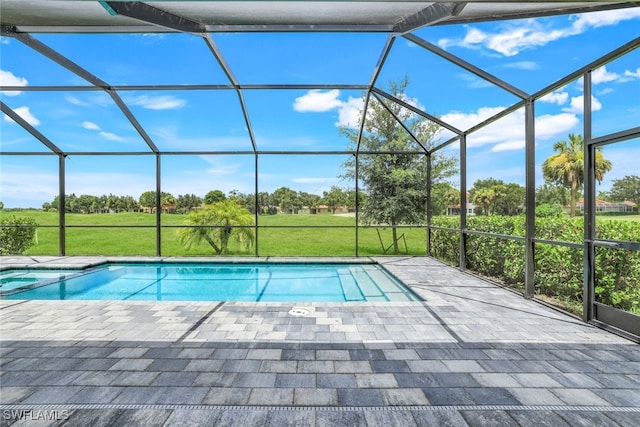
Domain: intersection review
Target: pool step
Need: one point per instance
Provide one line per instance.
(368, 286)
(349, 286)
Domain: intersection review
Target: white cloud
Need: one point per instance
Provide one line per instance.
(529, 34)
(110, 136)
(633, 74)
(601, 75)
(90, 126)
(584, 21)
(549, 126)
(473, 81)
(8, 79)
(164, 102)
(349, 111)
(509, 146)
(27, 186)
(508, 132)
(303, 180)
(170, 136)
(317, 101)
(464, 121)
(577, 105)
(523, 65)
(555, 98)
(101, 99)
(106, 135)
(75, 101)
(221, 167)
(604, 91)
(26, 115)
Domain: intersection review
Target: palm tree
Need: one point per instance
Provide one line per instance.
(566, 167)
(216, 224)
(484, 197)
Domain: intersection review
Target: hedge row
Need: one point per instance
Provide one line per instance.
(558, 269)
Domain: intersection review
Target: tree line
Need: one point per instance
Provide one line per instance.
(284, 200)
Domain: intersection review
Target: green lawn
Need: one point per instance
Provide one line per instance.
(130, 233)
(134, 234)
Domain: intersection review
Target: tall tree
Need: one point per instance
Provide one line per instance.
(485, 198)
(186, 202)
(394, 179)
(334, 198)
(550, 194)
(214, 196)
(627, 188)
(168, 203)
(148, 200)
(513, 199)
(566, 167)
(286, 199)
(216, 224)
(487, 193)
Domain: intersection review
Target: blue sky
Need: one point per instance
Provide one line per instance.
(529, 54)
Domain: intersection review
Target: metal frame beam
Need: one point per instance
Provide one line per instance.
(153, 15)
(467, 66)
(29, 128)
(417, 111)
(65, 62)
(616, 53)
(227, 70)
(386, 107)
(430, 15)
(122, 88)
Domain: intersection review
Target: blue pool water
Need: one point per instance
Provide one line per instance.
(225, 282)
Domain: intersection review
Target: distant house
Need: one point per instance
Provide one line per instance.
(604, 206)
(455, 209)
(323, 209)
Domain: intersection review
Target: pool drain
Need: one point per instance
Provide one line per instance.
(298, 312)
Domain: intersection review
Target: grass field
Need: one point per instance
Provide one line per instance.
(129, 233)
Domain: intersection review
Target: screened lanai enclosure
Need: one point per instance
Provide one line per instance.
(341, 128)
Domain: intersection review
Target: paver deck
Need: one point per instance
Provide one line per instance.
(472, 353)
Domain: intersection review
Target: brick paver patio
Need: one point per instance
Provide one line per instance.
(471, 353)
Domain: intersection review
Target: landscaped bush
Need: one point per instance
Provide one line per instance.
(547, 210)
(16, 234)
(559, 269)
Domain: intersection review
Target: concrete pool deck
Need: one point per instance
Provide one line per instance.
(472, 353)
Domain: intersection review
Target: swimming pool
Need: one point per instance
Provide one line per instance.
(224, 282)
(19, 278)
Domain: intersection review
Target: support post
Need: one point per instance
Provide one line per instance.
(62, 241)
(589, 207)
(256, 204)
(429, 203)
(530, 199)
(355, 156)
(158, 207)
(463, 201)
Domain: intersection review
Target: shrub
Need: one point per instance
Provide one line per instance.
(559, 269)
(547, 210)
(16, 234)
